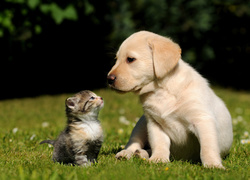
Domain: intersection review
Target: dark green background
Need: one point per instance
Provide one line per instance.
(59, 46)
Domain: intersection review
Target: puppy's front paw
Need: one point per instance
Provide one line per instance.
(158, 159)
(211, 161)
(141, 153)
(212, 165)
(127, 154)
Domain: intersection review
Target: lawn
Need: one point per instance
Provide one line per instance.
(25, 122)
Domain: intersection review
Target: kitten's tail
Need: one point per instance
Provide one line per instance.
(48, 141)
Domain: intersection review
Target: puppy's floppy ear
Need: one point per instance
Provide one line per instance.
(166, 55)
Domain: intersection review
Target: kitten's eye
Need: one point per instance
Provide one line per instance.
(130, 60)
(92, 98)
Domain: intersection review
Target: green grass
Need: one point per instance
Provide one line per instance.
(22, 124)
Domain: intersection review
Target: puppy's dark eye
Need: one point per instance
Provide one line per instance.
(130, 60)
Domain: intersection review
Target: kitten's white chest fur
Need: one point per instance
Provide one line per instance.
(92, 128)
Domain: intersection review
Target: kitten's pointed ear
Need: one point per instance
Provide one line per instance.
(71, 102)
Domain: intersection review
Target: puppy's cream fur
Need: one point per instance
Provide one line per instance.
(182, 115)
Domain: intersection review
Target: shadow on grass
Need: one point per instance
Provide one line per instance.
(110, 150)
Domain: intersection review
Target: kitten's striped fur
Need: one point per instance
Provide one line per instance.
(81, 140)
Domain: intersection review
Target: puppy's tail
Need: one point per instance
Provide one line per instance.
(48, 141)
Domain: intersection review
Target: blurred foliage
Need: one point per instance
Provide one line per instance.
(13, 10)
(213, 35)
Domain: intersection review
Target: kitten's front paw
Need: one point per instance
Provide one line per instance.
(127, 154)
(82, 160)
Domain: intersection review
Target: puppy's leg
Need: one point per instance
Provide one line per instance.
(207, 135)
(159, 142)
(137, 140)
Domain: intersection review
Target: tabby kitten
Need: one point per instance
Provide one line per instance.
(81, 140)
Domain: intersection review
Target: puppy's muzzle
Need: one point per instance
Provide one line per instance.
(111, 79)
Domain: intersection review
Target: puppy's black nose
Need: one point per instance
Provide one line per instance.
(111, 79)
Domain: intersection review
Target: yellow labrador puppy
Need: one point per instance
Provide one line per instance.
(182, 115)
